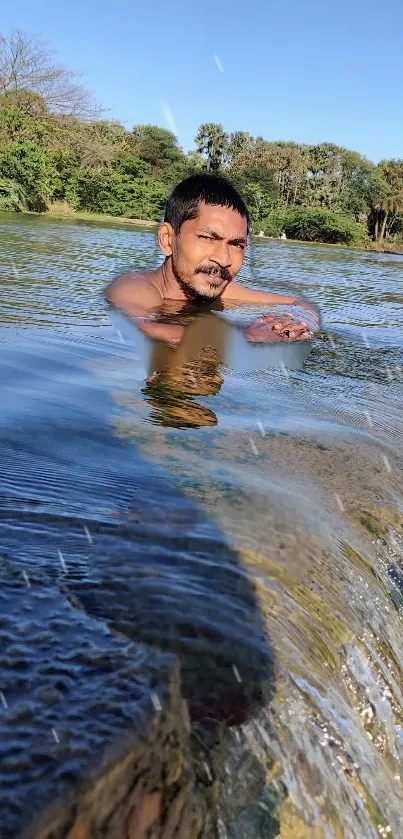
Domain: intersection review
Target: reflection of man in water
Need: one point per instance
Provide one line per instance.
(170, 392)
(203, 238)
(180, 373)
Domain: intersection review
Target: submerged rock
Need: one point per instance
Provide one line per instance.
(94, 734)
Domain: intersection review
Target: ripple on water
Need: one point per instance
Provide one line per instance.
(250, 523)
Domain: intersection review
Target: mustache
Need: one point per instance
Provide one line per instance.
(214, 271)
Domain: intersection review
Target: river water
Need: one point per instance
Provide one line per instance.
(251, 521)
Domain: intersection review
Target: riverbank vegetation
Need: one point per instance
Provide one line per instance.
(58, 151)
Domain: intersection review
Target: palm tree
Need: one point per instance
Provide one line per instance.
(212, 141)
(390, 205)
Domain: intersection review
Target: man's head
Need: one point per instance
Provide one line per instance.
(204, 234)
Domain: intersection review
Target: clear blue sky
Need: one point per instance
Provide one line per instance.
(304, 70)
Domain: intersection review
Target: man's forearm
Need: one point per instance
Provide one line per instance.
(275, 299)
(280, 299)
(240, 295)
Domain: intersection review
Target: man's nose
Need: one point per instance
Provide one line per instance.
(221, 254)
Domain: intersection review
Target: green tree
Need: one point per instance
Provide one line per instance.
(196, 162)
(359, 187)
(267, 213)
(322, 175)
(240, 143)
(278, 168)
(212, 142)
(52, 149)
(387, 213)
(133, 166)
(392, 172)
(159, 147)
(96, 144)
(251, 167)
(339, 179)
(25, 116)
(288, 163)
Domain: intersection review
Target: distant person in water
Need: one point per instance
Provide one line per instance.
(203, 237)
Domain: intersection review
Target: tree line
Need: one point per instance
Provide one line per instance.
(58, 152)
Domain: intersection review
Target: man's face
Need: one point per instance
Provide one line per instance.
(209, 250)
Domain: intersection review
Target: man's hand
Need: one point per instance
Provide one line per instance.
(272, 328)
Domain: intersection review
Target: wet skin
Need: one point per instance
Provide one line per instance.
(201, 263)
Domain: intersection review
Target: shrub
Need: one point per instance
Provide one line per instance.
(318, 225)
(60, 208)
(273, 223)
(12, 196)
(24, 163)
(118, 194)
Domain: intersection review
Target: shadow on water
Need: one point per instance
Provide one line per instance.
(164, 575)
(85, 515)
(157, 569)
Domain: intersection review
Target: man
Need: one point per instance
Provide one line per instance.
(203, 238)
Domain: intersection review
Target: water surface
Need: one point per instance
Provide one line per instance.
(251, 522)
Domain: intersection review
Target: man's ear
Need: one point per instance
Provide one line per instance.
(165, 237)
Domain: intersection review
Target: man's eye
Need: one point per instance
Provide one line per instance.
(239, 245)
(203, 236)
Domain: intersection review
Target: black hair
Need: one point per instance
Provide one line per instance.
(184, 201)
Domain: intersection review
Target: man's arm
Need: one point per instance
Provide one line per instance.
(237, 293)
(138, 298)
(241, 295)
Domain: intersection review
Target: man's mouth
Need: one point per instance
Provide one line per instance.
(216, 276)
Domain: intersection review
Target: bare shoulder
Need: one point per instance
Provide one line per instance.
(133, 291)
